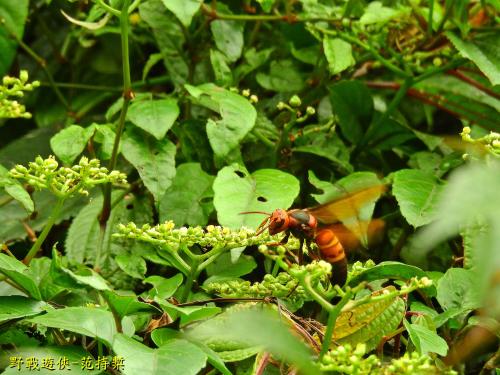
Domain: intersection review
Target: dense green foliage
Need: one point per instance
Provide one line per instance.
(134, 133)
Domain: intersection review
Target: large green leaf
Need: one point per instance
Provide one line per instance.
(176, 356)
(238, 116)
(87, 321)
(154, 116)
(338, 54)
(14, 307)
(184, 10)
(417, 193)
(153, 159)
(228, 36)
(352, 103)
(484, 51)
(425, 340)
(225, 266)
(262, 328)
(13, 13)
(169, 38)
(236, 190)
(188, 200)
(70, 142)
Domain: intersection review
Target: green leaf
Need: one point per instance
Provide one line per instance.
(188, 201)
(39, 270)
(26, 148)
(73, 354)
(14, 307)
(70, 142)
(417, 193)
(14, 14)
(253, 60)
(238, 116)
(184, 10)
(164, 288)
(388, 270)
(154, 160)
(228, 36)
(16, 190)
(91, 322)
(84, 276)
(154, 116)
(237, 191)
(261, 327)
(224, 266)
(425, 340)
(127, 304)
(458, 288)
(369, 322)
(352, 103)
(328, 146)
(222, 72)
(338, 54)
(483, 51)
(283, 77)
(376, 12)
(19, 274)
(174, 357)
(169, 38)
(132, 265)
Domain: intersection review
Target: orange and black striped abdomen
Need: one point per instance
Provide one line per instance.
(333, 252)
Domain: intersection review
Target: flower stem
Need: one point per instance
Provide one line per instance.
(56, 211)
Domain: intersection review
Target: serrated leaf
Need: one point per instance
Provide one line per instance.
(154, 116)
(14, 14)
(369, 322)
(425, 340)
(174, 357)
(15, 307)
(70, 142)
(417, 193)
(188, 201)
(153, 159)
(228, 37)
(483, 51)
(184, 10)
(238, 116)
(338, 54)
(237, 191)
(132, 265)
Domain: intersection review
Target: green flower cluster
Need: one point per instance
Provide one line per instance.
(12, 88)
(346, 359)
(414, 364)
(166, 235)
(491, 141)
(66, 181)
(283, 286)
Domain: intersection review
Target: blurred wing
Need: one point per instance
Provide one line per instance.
(350, 240)
(347, 207)
(354, 210)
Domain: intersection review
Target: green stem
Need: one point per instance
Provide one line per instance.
(332, 319)
(189, 281)
(127, 97)
(306, 283)
(110, 9)
(54, 215)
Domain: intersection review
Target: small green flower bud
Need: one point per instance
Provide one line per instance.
(310, 111)
(254, 99)
(23, 76)
(281, 106)
(295, 101)
(245, 93)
